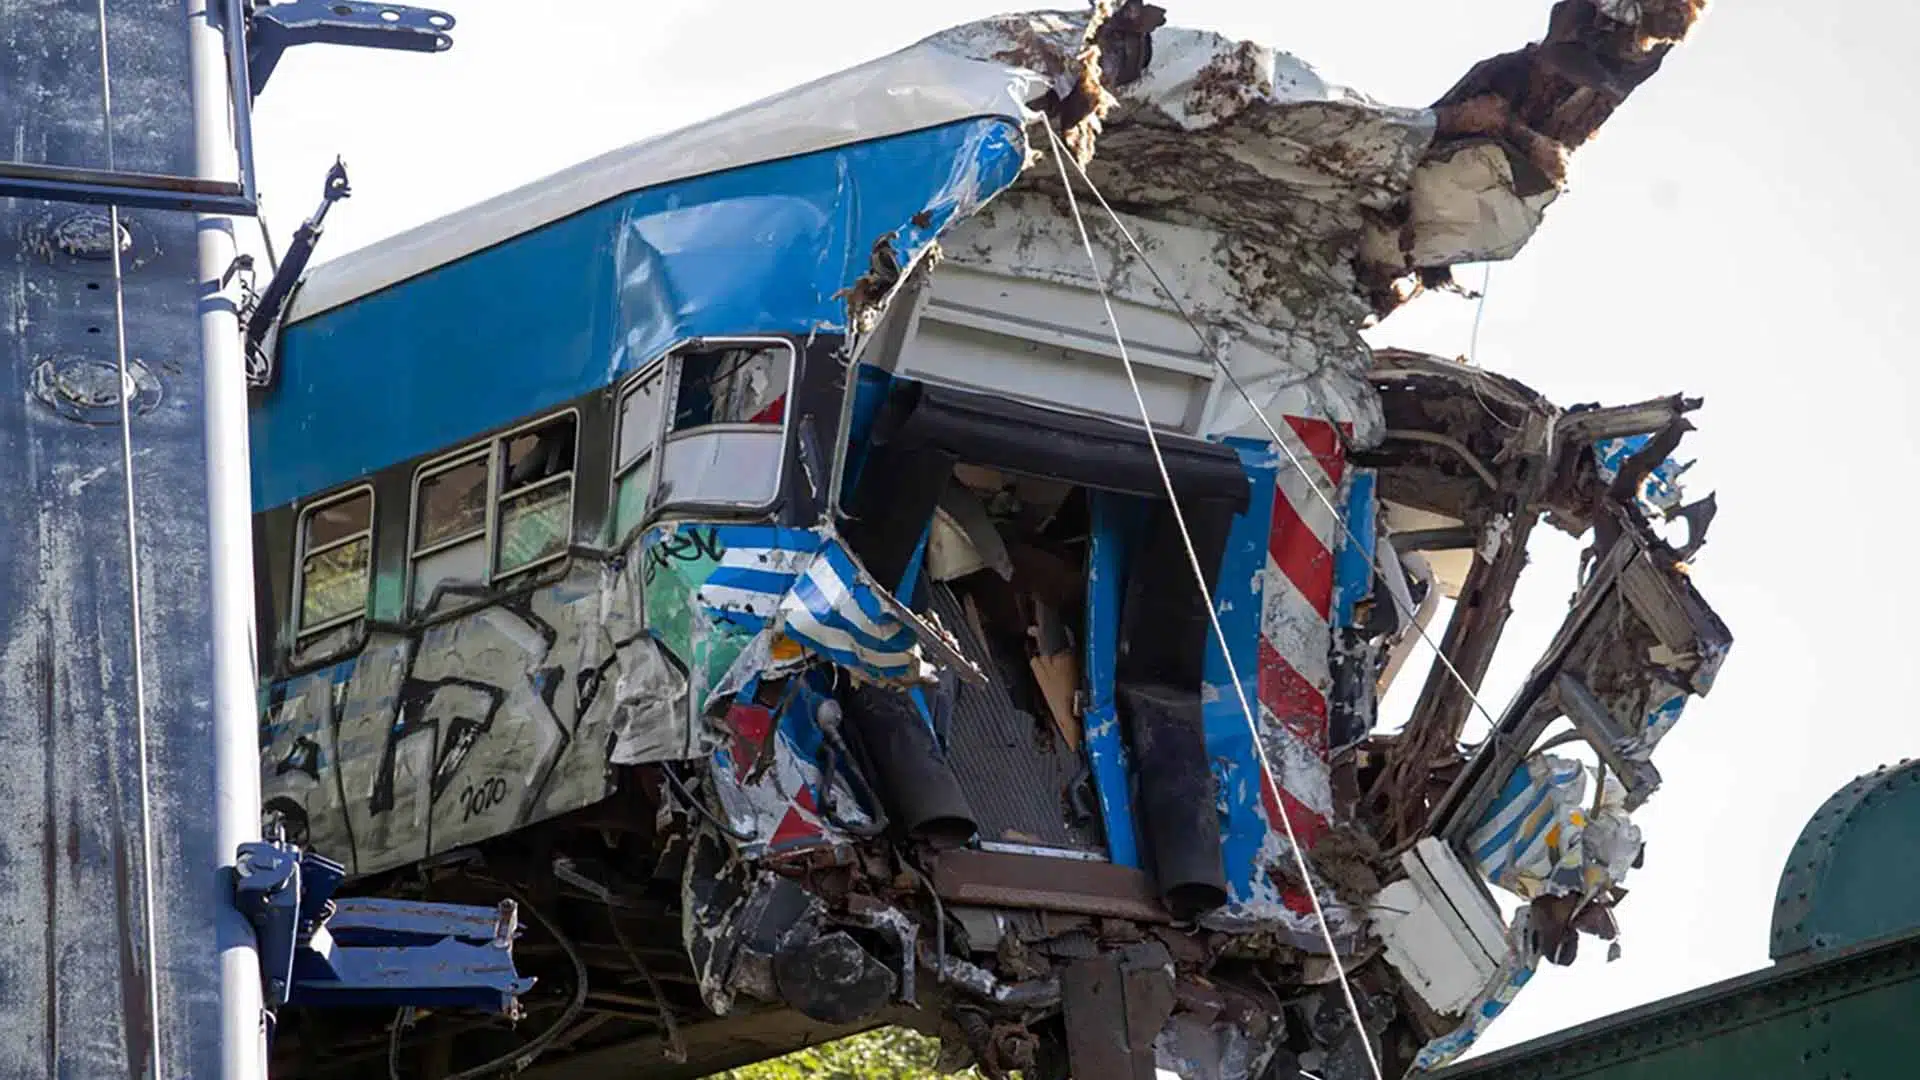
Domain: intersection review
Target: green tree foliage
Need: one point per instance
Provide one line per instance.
(891, 1053)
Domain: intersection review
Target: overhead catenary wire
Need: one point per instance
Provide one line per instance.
(1213, 615)
(1273, 432)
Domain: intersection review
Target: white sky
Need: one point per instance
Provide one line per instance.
(1730, 233)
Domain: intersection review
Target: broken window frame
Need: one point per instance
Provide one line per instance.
(303, 634)
(493, 450)
(499, 498)
(670, 366)
(654, 371)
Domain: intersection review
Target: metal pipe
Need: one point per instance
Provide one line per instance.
(1448, 442)
(230, 548)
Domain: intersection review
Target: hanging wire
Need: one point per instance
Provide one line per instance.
(151, 937)
(1479, 309)
(1220, 365)
(1473, 347)
(676, 1046)
(1213, 615)
(266, 237)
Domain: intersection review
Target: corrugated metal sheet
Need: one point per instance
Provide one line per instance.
(1015, 775)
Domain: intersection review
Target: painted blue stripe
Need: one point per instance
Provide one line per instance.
(823, 611)
(1503, 838)
(1114, 520)
(887, 662)
(868, 598)
(768, 248)
(747, 538)
(1230, 745)
(910, 579)
(769, 582)
(1353, 569)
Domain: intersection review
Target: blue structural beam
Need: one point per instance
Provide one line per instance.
(1237, 600)
(1115, 521)
(1353, 567)
(110, 957)
(317, 951)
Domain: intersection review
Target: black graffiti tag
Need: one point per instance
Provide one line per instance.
(482, 797)
(681, 545)
(415, 716)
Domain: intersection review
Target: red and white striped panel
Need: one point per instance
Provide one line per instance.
(1296, 632)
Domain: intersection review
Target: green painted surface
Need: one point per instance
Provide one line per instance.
(389, 597)
(1854, 874)
(1842, 1002)
(1851, 1015)
(676, 561)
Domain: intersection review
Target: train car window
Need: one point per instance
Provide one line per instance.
(731, 386)
(639, 437)
(495, 511)
(336, 562)
(536, 500)
(452, 504)
(726, 437)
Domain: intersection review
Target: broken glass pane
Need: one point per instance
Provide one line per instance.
(338, 520)
(630, 506)
(639, 421)
(732, 386)
(452, 503)
(334, 583)
(539, 454)
(534, 525)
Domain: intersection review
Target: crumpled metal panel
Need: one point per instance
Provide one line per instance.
(500, 717)
(776, 248)
(1263, 254)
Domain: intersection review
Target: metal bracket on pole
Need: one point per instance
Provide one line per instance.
(272, 29)
(318, 951)
(273, 299)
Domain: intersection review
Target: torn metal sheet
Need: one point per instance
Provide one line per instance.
(952, 486)
(1543, 835)
(1504, 132)
(1660, 490)
(784, 595)
(435, 738)
(769, 779)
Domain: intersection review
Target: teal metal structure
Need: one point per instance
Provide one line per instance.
(1842, 999)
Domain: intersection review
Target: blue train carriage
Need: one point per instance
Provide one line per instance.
(678, 543)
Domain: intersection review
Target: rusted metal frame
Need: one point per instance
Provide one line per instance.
(1472, 636)
(1529, 477)
(1611, 743)
(991, 879)
(1533, 708)
(1114, 1005)
(742, 1037)
(1595, 425)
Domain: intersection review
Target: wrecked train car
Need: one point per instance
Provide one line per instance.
(768, 553)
